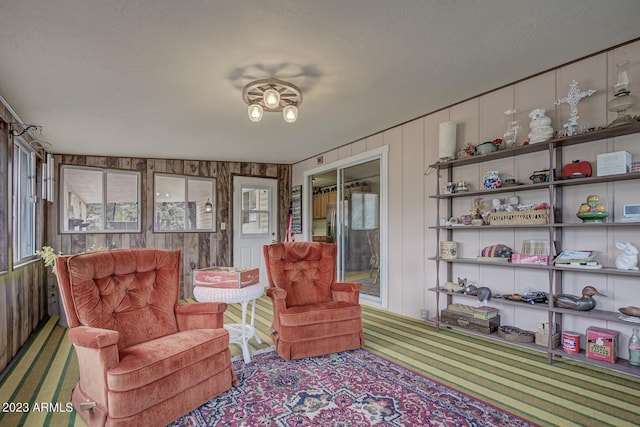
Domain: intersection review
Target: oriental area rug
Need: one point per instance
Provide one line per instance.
(352, 388)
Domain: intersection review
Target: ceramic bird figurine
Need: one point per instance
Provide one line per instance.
(573, 302)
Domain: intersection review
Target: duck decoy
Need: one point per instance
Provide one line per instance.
(574, 302)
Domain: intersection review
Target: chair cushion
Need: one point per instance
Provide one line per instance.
(330, 311)
(302, 252)
(120, 288)
(144, 363)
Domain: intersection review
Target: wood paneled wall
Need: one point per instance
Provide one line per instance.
(199, 250)
(22, 306)
(23, 288)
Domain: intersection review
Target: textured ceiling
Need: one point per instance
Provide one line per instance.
(163, 78)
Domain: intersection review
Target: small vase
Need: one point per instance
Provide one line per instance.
(634, 348)
(492, 180)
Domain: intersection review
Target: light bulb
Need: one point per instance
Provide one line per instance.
(255, 112)
(271, 98)
(290, 113)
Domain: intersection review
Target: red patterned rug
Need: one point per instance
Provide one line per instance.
(352, 388)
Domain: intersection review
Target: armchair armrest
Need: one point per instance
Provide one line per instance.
(279, 299)
(97, 352)
(346, 291)
(200, 315)
(86, 336)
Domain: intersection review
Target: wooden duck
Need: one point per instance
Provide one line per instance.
(574, 302)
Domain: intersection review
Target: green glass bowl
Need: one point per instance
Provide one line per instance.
(592, 216)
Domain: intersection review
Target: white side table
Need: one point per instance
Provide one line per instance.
(238, 333)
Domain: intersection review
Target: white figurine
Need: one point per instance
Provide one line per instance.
(628, 259)
(453, 287)
(540, 125)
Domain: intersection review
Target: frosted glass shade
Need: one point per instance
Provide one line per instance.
(271, 98)
(255, 112)
(290, 113)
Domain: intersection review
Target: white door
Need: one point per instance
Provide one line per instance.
(255, 220)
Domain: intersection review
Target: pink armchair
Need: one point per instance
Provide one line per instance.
(144, 358)
(312, 313)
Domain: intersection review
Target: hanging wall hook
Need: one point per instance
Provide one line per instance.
(25, 128)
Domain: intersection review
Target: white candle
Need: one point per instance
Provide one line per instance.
(447, 141)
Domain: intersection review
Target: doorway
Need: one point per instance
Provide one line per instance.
(255, 220)
(359, 226)
(346, 207)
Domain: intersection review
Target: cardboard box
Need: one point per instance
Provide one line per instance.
(543, 339)
(602, 344)
(485, 313)
(466, 321)
(614, 163)
(225, 277)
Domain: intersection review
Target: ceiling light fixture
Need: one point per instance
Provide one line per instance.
(272, 95)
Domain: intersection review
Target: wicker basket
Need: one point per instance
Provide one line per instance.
(520, 217)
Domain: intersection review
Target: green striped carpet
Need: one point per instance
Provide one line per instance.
(35, 389)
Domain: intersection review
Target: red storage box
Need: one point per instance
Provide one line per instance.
(225, 277)
(602, 344)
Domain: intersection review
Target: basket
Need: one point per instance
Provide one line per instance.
(520, 217)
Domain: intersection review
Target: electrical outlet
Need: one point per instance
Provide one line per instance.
(424, 314)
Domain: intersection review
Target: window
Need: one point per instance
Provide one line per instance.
(255, 211)
(184, 203)
(99, 200)
(24, 208)
(4, 196)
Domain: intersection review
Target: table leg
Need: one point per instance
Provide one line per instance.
(244, 341)
(253, 317)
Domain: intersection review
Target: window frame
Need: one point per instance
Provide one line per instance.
(211, 198)
(256, 212)
(5, 161)
(104, 197)
(22, 148)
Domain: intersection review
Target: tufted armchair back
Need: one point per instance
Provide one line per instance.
(132, 291)
(306, 270)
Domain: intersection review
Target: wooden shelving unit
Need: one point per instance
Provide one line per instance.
(555, 229)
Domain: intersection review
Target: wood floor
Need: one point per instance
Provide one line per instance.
(517, 380)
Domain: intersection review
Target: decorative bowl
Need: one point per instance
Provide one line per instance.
(630, 311)
(592, 216)
(540, 176)
(486, 148)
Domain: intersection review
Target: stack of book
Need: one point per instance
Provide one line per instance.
(485, 313)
